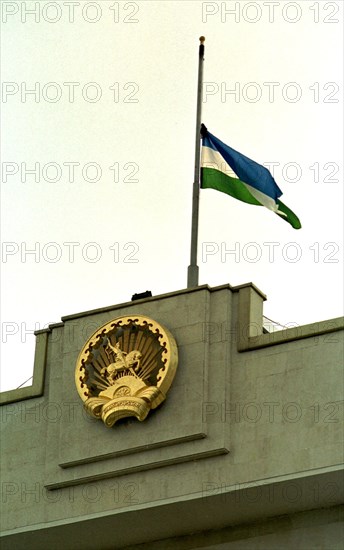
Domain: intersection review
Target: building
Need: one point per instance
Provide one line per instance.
(245, 452)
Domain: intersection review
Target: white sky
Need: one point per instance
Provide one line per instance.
(144, 128)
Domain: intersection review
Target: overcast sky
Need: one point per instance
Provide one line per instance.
(99, 100)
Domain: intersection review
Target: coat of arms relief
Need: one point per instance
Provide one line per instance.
(126, 369)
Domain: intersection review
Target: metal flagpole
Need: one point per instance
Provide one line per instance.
(193, 267)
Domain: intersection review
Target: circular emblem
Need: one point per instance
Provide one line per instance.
(126, 368)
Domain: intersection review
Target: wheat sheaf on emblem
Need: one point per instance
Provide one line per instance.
(132, 358)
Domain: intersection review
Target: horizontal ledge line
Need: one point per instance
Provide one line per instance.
(134, 450)
(135, 469)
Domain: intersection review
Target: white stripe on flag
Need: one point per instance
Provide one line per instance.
(214, 159)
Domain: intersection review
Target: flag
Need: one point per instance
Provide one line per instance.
(226, 170)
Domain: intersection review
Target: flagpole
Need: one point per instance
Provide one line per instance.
(193, 267)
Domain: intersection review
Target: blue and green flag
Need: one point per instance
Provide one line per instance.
(226, 170)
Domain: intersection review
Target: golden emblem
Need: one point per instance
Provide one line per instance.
(126, 368)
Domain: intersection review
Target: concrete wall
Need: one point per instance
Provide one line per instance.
(252, 428)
